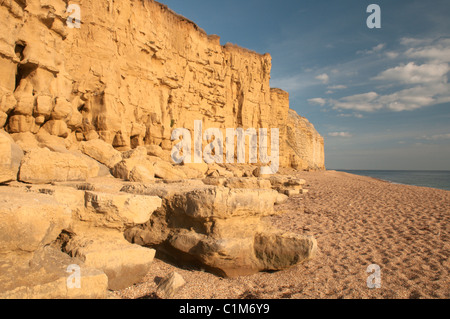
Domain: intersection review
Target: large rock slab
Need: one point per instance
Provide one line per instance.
(227, 256)
(49, 274)
(124, 263)
(102, 152)
(239, 182)
(29, 221)
(223, 202)
(276, 250)
(42, 166)
(165, 170)
(119, 211)
(130, 168)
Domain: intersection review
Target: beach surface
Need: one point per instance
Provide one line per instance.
(358, 221)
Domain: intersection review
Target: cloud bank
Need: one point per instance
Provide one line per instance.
(419, 81)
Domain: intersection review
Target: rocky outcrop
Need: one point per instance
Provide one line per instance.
(29, 221)
(45, 274)
(132, 73)
(107, 250)
(87, 179)
(305, 144)
(115, 227)
(30, 268)
(220, 228)
(41, 166)
(86, 225)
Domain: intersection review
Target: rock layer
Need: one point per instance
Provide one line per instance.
(132, 73)
(86, 121)
(220, 228)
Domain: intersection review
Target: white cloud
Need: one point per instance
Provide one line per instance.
(361, 97)
(358, 102)
(379, 47)
(438, 137)
(337, 87)
(417, 83)
(438, 53)
(375, 49)
(437, 50)
(318, 101)
(402, 100)
(340, 134)
(357, 115)
(416, 97)
(392, 54)
(324, 78)
(415, 74)
(412, 42)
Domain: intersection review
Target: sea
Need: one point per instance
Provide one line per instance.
(433, 179)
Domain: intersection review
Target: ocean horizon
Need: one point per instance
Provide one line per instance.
(424, 178)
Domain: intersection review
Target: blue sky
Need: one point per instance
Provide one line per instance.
(380, 97)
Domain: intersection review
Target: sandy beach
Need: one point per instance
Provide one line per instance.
(357, 221)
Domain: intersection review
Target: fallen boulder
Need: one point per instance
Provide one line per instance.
(170, 285)
(167, 171)
(118, 211)
(137, 168)
(124, 263)
(276, 250)
(102, 152)
(41, 166)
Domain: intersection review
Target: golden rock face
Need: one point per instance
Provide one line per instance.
(132, 73)
(87, 173)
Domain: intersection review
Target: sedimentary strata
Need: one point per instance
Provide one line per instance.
(88, 188)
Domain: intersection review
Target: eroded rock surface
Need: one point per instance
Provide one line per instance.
(86, 174)
(132, 73)
(220, 228)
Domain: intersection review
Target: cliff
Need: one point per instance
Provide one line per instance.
(81, 105)
(132, 73)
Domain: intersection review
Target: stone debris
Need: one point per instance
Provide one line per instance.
(169, 286)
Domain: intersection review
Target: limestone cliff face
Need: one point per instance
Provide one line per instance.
(304, 145)
(131, 74)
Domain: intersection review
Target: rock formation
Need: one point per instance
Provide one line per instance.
(220, 227)
(87, 182)
(132, 73)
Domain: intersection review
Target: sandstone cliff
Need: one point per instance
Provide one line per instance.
(86, 177)
(133, 72)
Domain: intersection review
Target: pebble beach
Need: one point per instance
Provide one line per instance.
(358, 221)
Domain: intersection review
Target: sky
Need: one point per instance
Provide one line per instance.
(380, 97)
